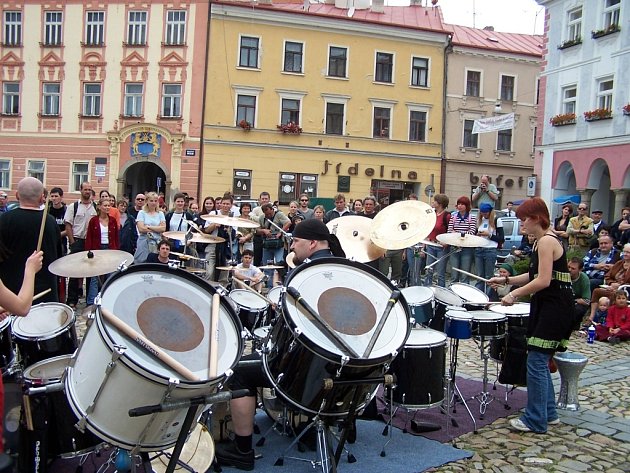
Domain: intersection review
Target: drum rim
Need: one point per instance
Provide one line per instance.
(46, 335)
(408, 290)
(249, 293)
(429, 331)
(437, 289)
(470, 286)
(149, 373)
(6, 322)
(516, 304)
(325, 353)
(45, 381)
(494, 316)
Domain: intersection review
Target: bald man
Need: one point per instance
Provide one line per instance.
(19, 232)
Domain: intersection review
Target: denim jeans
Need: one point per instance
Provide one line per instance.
(272, 256)
(462, 260)
(415, 264)
(541, 398)
(485, 259)
(434, 254)
(94, 283)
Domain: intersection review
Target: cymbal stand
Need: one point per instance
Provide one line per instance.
(453, 390)
(484, 397)
(283, 425)
(444, 256)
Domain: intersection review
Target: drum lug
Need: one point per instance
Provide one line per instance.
(344, 361)
(228, 374)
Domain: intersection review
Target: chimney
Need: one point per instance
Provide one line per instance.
(488, 28)
(306, 5)
(415, 3)
(378, 6)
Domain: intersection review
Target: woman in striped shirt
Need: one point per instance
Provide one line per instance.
(462, 221)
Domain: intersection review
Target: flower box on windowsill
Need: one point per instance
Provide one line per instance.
(626, 109)
(606, 31)
(597, 114)
(245, 125)
(569, 43)
(292, 128)
(563, 119)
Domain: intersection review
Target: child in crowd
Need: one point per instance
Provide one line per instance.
(505, 270)
(617, 326)
(599, 317)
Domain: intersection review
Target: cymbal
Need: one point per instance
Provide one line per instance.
(270, 266)
(80, 265)
(430, 243)
(466, 241)
(353, 233)
(194, 237)
(289, 259)
(184, 256)
(402, 224)
(231, 221)
(195, 270)
(226, 268)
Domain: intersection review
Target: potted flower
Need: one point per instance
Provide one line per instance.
(570, 42)
(597, 114)
(605, 31)
(562, 119)
(290, 127)
(245, 125)
(626, 109)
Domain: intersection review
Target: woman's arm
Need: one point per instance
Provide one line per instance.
(20, 304)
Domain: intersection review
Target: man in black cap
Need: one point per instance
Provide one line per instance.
(311, 240)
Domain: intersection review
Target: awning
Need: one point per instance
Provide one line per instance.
(571, 199)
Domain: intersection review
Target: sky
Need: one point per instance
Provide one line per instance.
(511, 16)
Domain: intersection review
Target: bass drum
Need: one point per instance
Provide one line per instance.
(300, 354)
(171, 308)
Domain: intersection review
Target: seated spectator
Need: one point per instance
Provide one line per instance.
(615, 231)
(505, 271)
(523, 251)
(581, 290)
(600, 315)
(598, 262)
(617, 276)
(248, 273)
(617, 326)
(163, 254)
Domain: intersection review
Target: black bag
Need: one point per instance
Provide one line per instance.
(273, 243)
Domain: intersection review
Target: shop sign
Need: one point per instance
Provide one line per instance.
(379, 171)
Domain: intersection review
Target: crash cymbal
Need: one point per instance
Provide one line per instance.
(195, 270)
(81, 265)
(353, 233)
(184, 256)
(231, 221)
(270, 266)
(430, 243)
(226, 268)
(289, 259)
(194, 237)
(465, 241)
(402, 224)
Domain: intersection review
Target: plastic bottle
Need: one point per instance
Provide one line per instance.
(591, 334)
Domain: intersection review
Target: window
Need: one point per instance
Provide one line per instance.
(384, 67)
(246, 109)
(53, 28)
(417, 125)
(175, 27)
(133, 100)
(293, 56)
(91, 100)
(80, 173)
(36, 169)
(574, 24)
(293, 184)
(419, 72)
(334, 118)
(242, 183)
(12, 28)
(507, 88)
(51, 93)
(95, 28)
(569, 99)
(248, 56)
(504, 140)
(137, 28)
(381, 122)
(473, 83)
(471, 140)
(5, 174)
(337, 59)
(290, 111)
(611, 13)
(11, 98)
(605, 93)
(172, 100)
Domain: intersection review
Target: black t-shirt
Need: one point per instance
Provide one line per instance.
(59, 215)
(19, 232)
(153, 258)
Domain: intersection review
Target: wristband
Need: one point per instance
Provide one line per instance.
(507, 280)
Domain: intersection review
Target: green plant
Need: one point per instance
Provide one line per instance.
(597, 114)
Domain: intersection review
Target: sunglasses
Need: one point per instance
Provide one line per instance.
(303, 200)
(581, 208)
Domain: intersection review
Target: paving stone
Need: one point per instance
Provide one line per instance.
(574, 465)
(602, 429)
(623, 436)
(583, 432)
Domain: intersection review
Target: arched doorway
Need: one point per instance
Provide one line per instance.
(144, 176)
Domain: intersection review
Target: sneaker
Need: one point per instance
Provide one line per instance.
(519, 425)
(228, 454)
(614, 340)
(553, 422)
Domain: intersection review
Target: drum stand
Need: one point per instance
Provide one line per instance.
(283, 425)
(453, 393)
(484, 397)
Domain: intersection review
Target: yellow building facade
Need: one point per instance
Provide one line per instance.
(360, 102)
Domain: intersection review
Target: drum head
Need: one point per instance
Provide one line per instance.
(470, 293)
(248, 299)
(44, 321)
(486, 316)
(47, 371)
(458, 315)
(425, 337)
(171, 308)
(518, 309)
(274, 294)
(446, 297)
(417, 295)
(4, 323)
(351, 297)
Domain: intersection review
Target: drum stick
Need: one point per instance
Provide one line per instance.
(393, 299)
(242, 284)
(214, 336)
(471, 275)
(336, 339)
(149, 346)
(43, 224)
(41, 294)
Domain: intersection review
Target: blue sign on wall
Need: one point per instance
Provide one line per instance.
(146, 143)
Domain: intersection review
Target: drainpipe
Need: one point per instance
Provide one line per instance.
(203, 105)
(447, 49)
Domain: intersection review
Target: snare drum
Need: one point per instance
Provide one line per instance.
(54, 432)
(419, 369)
(420, 301)
(488, 324)
(474, 299)
(171, 308)
(275, 296)
(458, 324)
(444, 298)
(7, 354)
(252, 308)
(300, 355)
(47, 331)
(515, 340)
